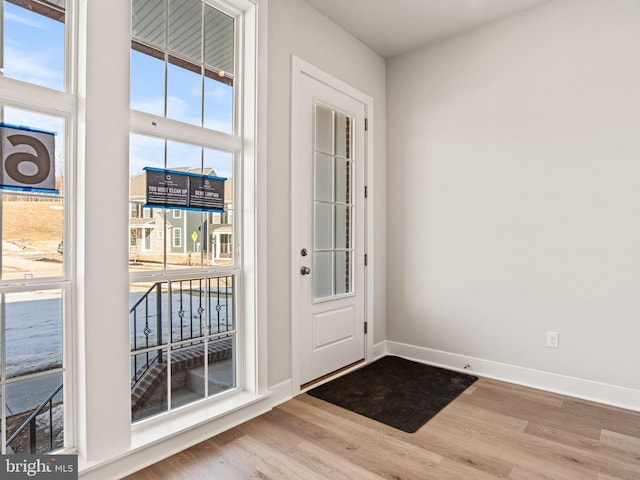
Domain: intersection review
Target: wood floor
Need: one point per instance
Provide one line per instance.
(493, 430)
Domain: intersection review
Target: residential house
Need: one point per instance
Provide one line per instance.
(181, 233)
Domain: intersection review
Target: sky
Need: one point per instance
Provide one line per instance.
(34, 52)
(33, 47)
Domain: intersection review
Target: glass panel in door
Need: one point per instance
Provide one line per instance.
(333, 204)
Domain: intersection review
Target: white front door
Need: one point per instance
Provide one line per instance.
(328, 171)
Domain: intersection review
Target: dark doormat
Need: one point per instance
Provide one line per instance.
(395, 391)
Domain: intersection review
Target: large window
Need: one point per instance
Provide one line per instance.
(192, 274)
(35, 279)
(184, 329)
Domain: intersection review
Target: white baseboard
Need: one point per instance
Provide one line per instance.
(379, 350)
(280, 393)
(137, 459)
(574, 387)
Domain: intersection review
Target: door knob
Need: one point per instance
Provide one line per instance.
(305, 270)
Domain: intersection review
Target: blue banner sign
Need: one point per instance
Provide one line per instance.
(184, 190)
(28, 159)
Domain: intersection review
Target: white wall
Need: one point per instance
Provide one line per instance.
(298, 29)
(514, 205)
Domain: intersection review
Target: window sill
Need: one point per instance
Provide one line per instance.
(159, 428)
(151, 433)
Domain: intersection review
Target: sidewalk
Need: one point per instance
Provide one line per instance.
(27, 395)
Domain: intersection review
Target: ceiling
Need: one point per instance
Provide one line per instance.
(394, 27)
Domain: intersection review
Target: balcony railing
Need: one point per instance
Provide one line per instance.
(31, 424)
(184, 310)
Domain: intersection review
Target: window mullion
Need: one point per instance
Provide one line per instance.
(169, 340)
(153, 125)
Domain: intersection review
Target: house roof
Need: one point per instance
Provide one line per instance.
(143, 222)
(224, 228)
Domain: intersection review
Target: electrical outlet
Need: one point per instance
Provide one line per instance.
(552, 339)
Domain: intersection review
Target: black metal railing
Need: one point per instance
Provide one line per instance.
(189, 301)
(153, 357)
(31, 423)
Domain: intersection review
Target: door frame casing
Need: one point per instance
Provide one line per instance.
(299, 68)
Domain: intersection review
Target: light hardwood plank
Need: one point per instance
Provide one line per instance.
(494, 430)
(627, 443)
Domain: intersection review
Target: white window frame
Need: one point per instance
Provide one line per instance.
(62, 104)
(109, 445)
(252, 375)
(171, 130)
